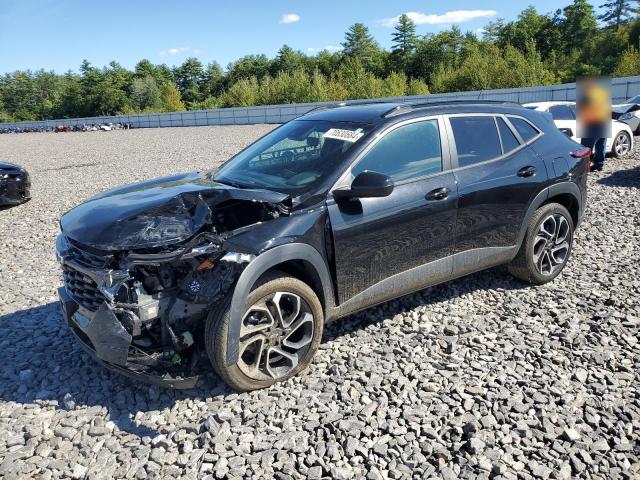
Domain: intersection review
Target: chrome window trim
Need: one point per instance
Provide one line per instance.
(345, 179)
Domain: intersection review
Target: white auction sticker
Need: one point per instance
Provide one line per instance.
(346, 135)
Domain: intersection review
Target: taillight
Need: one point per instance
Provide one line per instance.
(583, 153)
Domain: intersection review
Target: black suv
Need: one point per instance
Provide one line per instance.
(341, 209)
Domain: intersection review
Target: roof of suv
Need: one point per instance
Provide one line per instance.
(379, 112)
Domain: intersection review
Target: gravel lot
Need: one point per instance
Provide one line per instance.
(480, 377)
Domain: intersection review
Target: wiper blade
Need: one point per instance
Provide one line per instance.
(228, 182)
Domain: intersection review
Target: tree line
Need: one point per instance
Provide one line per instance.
(534, 49)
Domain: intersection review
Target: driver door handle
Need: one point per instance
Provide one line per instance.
(527, 171)
(437, 194)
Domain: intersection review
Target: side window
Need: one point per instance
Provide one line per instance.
(524, 128)
(407, 152)
(476, 139)
(509, 140)
(561, 112)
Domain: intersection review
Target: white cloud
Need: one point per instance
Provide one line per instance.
(454, 16)
(330, 48)
(290, 18)
(176, 50)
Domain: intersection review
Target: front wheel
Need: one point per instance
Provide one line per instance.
(621, 144)
(546, 247)
(280, 331)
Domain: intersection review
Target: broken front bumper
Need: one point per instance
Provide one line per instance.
(103, 336)
(14, 189)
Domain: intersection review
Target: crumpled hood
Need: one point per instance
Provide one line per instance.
(154, 213)
(11, 167)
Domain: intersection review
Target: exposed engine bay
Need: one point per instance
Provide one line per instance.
(143, 309)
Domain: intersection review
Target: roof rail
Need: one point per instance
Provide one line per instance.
(345, 103)
(326, 107)
(408, 107)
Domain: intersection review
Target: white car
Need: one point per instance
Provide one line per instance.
(629, 113)
(564, 116)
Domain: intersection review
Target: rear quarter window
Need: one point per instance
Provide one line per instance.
(524, 128)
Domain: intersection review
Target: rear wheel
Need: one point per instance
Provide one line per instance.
(546, 247)
(280, 332)
(621, 144)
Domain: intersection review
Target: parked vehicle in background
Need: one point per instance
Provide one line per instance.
(15, 184)
(336, 211)
(629, 113)
(564, 116)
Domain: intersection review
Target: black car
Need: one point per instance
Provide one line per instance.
(336, 211)
(15, 184)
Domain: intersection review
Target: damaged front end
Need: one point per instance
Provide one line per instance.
(141, 310)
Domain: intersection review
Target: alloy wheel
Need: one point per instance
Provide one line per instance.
(622, 144)
(275, 335)
(551, 244)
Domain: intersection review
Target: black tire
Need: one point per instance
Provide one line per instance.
(523, 265)
(622, 136)
(217, 328)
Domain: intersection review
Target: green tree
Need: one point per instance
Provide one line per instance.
(404, 36)
(629, 63)
(145, 94)
(289, 60)
(617, 12)
(213, 80)
(247, 67)
(359, 44)
(170, 97)
(243, 93)
(357, 81)
(189, 79)
(580, 26)
(395, 85)
(404, 42)
(417, 87)
(328, 62)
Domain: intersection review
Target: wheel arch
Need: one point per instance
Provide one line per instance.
(297, 259)
(567, 194)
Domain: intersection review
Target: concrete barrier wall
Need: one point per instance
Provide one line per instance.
(621, 89)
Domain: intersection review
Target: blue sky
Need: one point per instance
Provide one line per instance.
(58, 34)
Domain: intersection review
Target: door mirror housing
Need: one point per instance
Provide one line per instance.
(367, 184)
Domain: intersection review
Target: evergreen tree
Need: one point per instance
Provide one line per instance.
(617, 11)
(404, 36)
(579, 26)
(359, 44)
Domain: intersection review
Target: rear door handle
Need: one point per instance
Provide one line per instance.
(437, 194)
(527, 171)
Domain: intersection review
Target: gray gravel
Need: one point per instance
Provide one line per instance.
(482, 377)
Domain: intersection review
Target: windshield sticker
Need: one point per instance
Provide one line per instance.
(346, 135)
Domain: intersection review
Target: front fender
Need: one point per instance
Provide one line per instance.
(257, 267)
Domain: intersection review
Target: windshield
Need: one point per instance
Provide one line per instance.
(294, 157)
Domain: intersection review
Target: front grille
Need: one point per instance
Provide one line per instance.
(82, 289)
(86, 258)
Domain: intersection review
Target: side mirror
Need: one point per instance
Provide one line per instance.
(367, 184)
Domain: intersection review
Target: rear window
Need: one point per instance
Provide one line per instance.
(476, 139)
(561, 112)
(524, 128)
